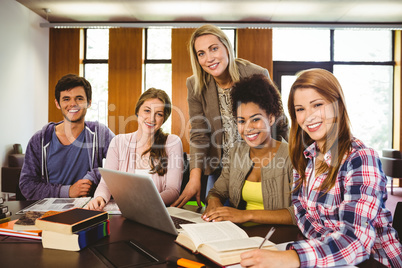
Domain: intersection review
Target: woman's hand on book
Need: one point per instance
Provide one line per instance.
(213, 204)
(269, 258)
(98, 203)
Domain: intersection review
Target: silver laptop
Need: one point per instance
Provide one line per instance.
(139, 200)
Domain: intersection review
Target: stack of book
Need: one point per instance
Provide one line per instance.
(4, 213)
(73, 229)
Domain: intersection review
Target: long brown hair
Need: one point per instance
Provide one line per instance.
(158, 158)
(338, 140)
(201, 77)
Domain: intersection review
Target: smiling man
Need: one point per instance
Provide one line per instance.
(62, 159)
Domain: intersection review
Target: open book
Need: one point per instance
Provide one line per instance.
(55, 204)
(63, 204)
(221, 242)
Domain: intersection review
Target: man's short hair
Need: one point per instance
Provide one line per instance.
(71, 81)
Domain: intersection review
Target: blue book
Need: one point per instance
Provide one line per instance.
(75, 241)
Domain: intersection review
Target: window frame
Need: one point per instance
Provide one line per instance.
(151, 61)
(90, 61)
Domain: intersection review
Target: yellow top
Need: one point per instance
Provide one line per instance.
(252, 194)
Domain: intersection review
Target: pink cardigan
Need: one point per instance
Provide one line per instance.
(121, 156)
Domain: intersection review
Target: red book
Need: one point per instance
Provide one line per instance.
(7, 229)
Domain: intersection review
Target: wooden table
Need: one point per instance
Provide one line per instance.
(19, 252)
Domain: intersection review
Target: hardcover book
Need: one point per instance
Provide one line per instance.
(76, 241)
(221, 242)
(71, 221)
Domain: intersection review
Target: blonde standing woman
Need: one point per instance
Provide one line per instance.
(213, 127)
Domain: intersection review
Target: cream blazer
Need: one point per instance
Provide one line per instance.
(206, 122)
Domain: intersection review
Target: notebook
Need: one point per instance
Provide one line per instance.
(139, 200)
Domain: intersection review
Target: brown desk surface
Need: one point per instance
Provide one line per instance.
(20, 252)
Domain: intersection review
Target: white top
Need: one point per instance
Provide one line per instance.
(121, 156)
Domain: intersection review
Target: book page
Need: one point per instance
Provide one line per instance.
(236, 244)
(56, 204)
(213, 231)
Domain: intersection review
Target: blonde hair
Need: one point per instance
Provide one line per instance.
(201, 77)
(338, 139)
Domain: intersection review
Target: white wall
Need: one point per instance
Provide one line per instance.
(24, 68)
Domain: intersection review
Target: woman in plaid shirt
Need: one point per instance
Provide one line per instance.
(339, 189)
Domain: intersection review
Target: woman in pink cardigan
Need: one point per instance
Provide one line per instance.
(146, 151)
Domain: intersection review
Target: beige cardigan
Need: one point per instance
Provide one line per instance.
(121, 156)
(276, 179)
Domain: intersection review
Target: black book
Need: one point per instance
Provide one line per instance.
(71, 221)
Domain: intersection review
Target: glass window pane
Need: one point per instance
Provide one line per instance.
(160, 76)
(301, 45)
(231, 35)
(368, 93)
(286, 83)
(159, 44)
(362, 45)
(97, 75)
(97, 44)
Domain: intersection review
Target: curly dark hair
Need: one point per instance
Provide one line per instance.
(260, 90)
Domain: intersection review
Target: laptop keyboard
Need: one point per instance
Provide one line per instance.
(178, 221)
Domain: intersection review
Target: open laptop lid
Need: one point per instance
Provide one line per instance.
(138, 199)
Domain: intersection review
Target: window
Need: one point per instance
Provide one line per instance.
(158, 63)
(96, 54)
(157, 67)
(301, 45)
(362, 62)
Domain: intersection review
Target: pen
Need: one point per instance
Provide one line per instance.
(184, 262)
(269, 234)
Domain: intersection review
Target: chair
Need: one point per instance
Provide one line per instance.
(10, 175)
(397, 221)
(391, 161)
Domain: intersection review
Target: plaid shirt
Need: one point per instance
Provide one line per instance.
(350, 222)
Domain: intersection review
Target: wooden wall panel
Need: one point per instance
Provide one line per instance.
(125, 77)
(181, 70)
(255, 45)
(398, 91)
(64, 58)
